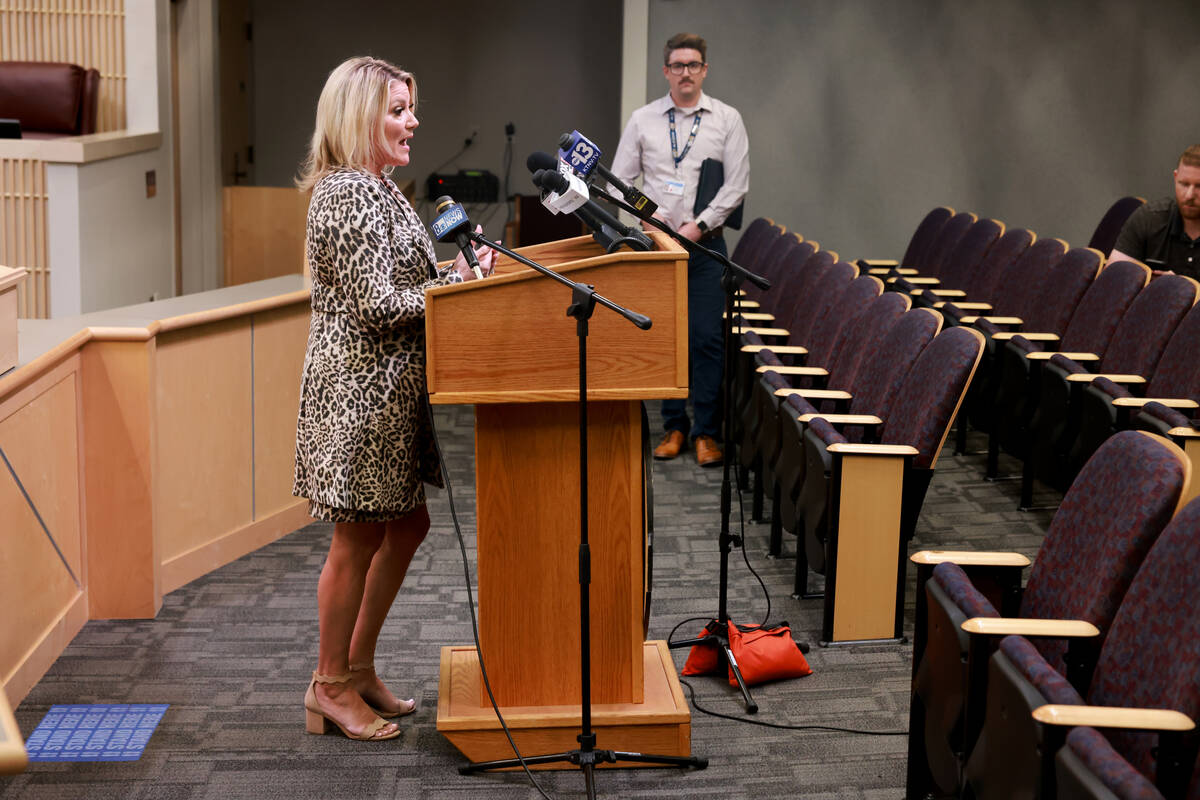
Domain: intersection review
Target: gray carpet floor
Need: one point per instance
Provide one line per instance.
(231, 653)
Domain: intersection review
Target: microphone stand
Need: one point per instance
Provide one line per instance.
(716, 632)
(583, 302)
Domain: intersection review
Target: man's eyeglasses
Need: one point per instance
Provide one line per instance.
(692, 67)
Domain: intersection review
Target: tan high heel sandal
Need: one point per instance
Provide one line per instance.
(317, 721)
(385, 713)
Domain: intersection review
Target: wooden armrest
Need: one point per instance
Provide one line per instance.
(737, 329)
(939, 292)
(1184, 433)
(753, 316)
(885, 262)
(1003, 336)
(994, 320)
(1016, 626)
(1115, 377)
(1046, 355)
(777, 349)
(916, 280)
(843, 419)
(965, 306)
(1147, 719)
(784, 369)
(847, 449)
(816, 394)
(1169, 402)
(971, 558)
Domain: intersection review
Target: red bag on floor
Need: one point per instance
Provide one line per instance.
(704, 659)
(766, 654)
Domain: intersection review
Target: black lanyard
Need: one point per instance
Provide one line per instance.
(675, 154)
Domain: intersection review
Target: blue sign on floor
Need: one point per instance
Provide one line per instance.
(94, 732)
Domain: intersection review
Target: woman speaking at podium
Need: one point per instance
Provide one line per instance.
(363, 440)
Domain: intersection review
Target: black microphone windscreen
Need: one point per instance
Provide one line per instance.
(441, 203)
(550, 180)
(540, 160)
(564, 141)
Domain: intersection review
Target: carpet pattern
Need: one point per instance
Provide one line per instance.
(231, 653)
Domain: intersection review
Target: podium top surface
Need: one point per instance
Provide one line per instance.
(508, 338)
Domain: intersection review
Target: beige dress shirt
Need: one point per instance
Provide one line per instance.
(645, 150)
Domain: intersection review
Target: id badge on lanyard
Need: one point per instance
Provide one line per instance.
(676, 186)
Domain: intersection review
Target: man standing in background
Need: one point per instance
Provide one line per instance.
(666, 142)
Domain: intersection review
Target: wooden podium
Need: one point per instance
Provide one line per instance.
(506, 345)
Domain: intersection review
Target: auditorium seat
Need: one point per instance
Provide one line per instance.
(795, 308)
(988, 290)
(1090, 329)
(1113, 512)
(807, 324)
(871, 389)
(964, 269)
(917, 421)
(768, 259)
(793, 254)
(1104, 238)
(919, 244)
(1134, 350)
(1175, 382)
(950, 268)
(758, 234)
(845, 309)
(1042, 290)
(1149, 660)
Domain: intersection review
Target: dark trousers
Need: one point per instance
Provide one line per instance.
(706, 302)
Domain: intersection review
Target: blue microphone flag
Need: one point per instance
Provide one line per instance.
(448, 222)
(581, 153)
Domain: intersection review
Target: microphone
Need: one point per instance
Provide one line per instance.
(584, 156)
(452, 223)
(568, 192)
(539, 160)
(608, 231)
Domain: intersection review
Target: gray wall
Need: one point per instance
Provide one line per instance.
(863, 115)
(547, 67)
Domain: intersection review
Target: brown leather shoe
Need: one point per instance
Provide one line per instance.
(708, 452)
(670, 446)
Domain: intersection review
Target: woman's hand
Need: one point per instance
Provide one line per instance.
(487, 261)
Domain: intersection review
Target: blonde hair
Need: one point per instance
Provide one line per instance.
(350, 113)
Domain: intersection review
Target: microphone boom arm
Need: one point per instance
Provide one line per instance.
(577, 288)
(687, 244)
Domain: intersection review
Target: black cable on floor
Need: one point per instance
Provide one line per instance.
(462, 547)
(781, 726)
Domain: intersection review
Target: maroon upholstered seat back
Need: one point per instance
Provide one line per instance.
(49, 97)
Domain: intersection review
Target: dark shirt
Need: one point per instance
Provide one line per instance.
(1154, 234)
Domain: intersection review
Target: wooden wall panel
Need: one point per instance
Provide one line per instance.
(40, 441)
(263, 232)
(203, 399)
(124, 579)
(279, 341)
(90, 33)
(24, 240)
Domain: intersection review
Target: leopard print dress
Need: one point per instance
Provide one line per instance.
(364, 444)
